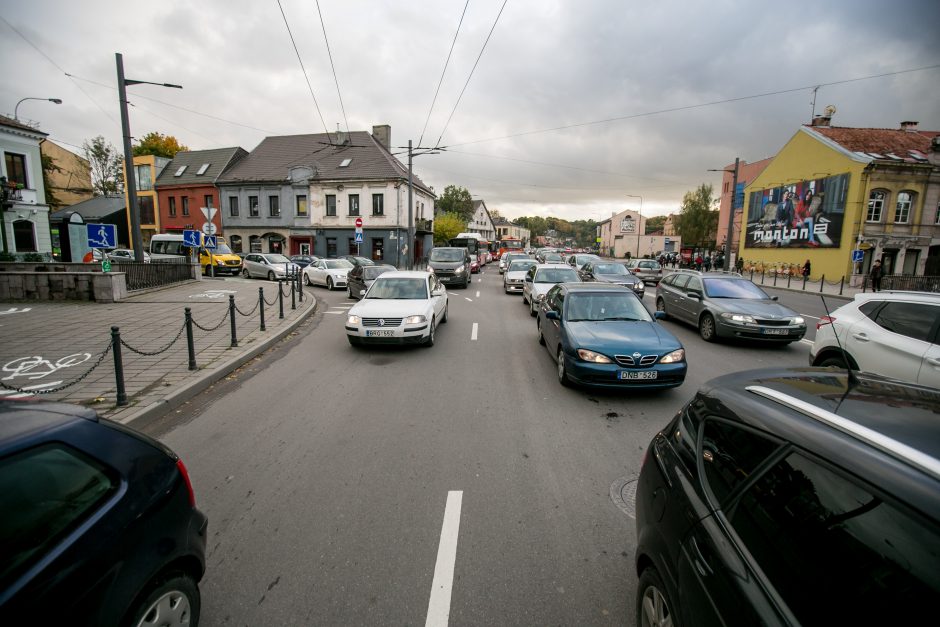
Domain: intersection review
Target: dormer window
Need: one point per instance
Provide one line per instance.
(345, 163)
(202, 169)
(180, 171)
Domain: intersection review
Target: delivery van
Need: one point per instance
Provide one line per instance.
(221, 259)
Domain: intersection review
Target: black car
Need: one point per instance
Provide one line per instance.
(356, 260)
(304, 260)
(451, 265)
(360, 278)
(793, 496)
(612, 272)
(99, 524)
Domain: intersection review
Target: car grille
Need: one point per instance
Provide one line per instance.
(627, 360)
(444, 272)
(388, 322)
(773, 323)
(230, 262)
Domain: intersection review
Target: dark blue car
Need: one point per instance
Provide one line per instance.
(603, 335)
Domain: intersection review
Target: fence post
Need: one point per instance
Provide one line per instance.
(261, 305)
(822, 282)
(118, 366)
(752, 275)
(231, 317)
(841, 284)
(775, 278)
(293, 296)
(300, 284)
(762, 275)
(805, 276)
(280, 300)
(789, 276)
(189, 338)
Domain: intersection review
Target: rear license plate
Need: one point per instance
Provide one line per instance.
(638, 374)
(775, 332)
(380, 333)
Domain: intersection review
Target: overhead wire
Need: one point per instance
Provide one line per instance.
(441, 81)
(303, 69)
(335, 79)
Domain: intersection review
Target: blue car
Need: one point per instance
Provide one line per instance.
(603, 335)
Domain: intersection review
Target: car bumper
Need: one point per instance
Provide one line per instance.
(411, 334)
(760, 333)
(452, 279)
(606, 375)
(515, 288)
(233, 270)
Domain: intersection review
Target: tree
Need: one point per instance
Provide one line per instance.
(655, 224)
(48, 169)
(105, 162)
(447, 226)
(697, 223)
(154, 143)
(456, 200)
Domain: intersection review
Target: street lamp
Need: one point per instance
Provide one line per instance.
(130, 183)
(638, 222)
(734, 193)
(15, 117)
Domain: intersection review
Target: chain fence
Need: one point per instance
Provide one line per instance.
(211, 329)
(156, 352)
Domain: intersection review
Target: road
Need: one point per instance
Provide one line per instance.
(325, 472)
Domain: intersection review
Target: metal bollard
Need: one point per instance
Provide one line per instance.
(280, 301)
(231, 317)
(293, 296)
(752, 275)
(822, 282)
(804, 281)
(841, 284)
(300, 285)
(118, 366)
(261, 305)
(189, 338)
(762, 275)
(789, 276)
(775, 278)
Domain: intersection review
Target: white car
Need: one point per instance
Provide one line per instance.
(514, 277)
(894, 334)
(399, 308)
(126, 254)
(328, 272)
(577, 261)
(542, 277)
(507, 258)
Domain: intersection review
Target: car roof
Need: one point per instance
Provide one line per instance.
(897, 295)
(562, 266)
(21, 419)
(406, 274)
(596, 287)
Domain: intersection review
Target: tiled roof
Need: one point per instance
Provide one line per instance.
(879, 141)
(270, 161)
(5, 121)
(96, 208)
(218, 159)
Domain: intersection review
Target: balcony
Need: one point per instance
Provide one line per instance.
(424, 226)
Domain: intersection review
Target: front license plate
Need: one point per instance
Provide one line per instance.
(775, 332)
(380, 333)
(638, 374)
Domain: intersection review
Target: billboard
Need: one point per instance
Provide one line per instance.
(805, 214)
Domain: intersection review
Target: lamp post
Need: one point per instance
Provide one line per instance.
(16, 108)
(734, 194)
(639, 222)
(129, 181)
(411, 222)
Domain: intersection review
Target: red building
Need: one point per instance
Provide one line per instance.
(187, 186)
(747, 172)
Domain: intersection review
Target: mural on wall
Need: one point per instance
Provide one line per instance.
(805, 214)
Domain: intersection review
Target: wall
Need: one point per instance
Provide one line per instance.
(40, 286)
(747, 172)
(31, 206)
(195, 219)
(72, 184)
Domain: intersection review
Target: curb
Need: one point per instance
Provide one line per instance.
(211, 376)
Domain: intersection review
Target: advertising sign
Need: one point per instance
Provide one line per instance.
(805, 214)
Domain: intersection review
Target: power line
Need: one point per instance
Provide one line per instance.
(696, 106)
(446, 63)
(454, 110)
(330, 54)
(303, 69)
(517, 183)
(176, 124)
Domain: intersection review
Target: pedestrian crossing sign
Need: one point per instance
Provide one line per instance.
(358, 238)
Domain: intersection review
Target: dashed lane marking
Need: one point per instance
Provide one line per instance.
(443, 582)
(469, 300)
(478, 293)
(336, 313)
(805, 341)
(473, 332)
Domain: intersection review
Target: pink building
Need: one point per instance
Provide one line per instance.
(747, 172)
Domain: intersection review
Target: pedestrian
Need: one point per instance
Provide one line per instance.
(698, 262)
(739, 264)
(707, 263)
(875, 274)
(807, 268)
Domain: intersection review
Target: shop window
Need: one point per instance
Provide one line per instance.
(254, 244)
(378, 249)
(331, 247)
(235, 242)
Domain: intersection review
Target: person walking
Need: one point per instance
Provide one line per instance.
(807, 269)
(707, 263)
(875, 274)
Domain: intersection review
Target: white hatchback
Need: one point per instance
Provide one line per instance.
(399, 308)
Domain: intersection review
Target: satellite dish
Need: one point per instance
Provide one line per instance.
(830, 110)
(340, 187)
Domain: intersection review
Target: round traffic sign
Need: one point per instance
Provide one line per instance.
(358, 223)
(209, 228)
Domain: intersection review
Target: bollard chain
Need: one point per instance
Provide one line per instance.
(156, 352)
(211, 329)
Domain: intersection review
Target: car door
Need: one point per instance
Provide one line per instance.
(319, 272)
(435, 293)
(354, 281)
(895, 342)
(527, 283)
(551, 329)
(252, 262)
(673, 293)
(689, 306)
(930, 368)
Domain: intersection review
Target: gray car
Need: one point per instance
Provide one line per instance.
(648, 270)
(514, 277)
(543, 277)
(727, 305)
(270, 266)
(451, 265)
(612, 272)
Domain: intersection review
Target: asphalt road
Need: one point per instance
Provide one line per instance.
(325, 472)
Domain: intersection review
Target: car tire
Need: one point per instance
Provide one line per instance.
(329, 283)
(653, 605)
(271, 276)
(307, 280)
(525, 301)
(833, 361)
(541, 337)
(444, 317)
(532, 311)
(661, 306)
(706, 328)
(561, 369)
(428, 343)
(171, 600)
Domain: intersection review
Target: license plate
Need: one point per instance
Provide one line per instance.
(380, 333)
(775, 332)
(638, 374)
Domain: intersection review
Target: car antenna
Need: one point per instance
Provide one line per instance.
(852, 378)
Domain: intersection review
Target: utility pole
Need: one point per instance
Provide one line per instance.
(130, 182)
(734, 197)
(411, 222)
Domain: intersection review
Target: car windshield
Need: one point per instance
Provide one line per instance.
(361, 261)
(372, 272)
(733, 288)
(338, 264)
(581, 259)
(521, 266)
(447, 254)
(397, 288)
(610, 268)
(556, 275)
(600, 307)
(222, 249)
(277, 259)
(551, 257)
(650, 265)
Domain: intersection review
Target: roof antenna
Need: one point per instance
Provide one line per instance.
(852, 378)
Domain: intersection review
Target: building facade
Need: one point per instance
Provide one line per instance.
(25, 222)
(147, 169)
(481, 222)
(70, 177)
(505, 228)
(746, 172)
(623, 236)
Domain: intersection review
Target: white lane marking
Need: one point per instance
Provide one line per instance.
(469, 300)
(805, 341)
(478, 293)
(341, 307)
(473, 333)
(807, 315)
(336, 313)
(479, 280)
(442, 584)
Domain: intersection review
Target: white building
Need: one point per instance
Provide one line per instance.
(26, 223)
(623, 235)
(481, 222)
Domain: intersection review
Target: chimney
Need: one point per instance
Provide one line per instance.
(341, 137)
(908, 125)
(383, 134)
(821, 120)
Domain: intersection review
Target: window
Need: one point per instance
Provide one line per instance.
(302, 205)
(16, 168)
(145, 203)
(378, 249)
(331, 247)
(185, 201)
(274, 206)
(730, 454)
(254, 244)
(180, 170)
(142, 177)
(330, 205)
(378, 204)
(24, 236)
(201, 171)
(914, 320)
(235, 242)
(353, 246)
(207, 199)
(253, 209)
(902, 210)
(694, 285)
(233, 206)
(876, 203)
(171, 202)
(345, 163)
(810, 528)
(354, 204)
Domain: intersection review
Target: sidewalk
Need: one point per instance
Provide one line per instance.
(54, 345)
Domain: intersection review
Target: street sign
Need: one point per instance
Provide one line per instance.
(209, 212)
(858, 256)
(358, 238)
(101, 235)
(358, 223)
(211, 243)
(192, 238)
(210, 229)
(106, 265)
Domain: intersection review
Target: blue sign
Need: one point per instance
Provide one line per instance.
(739, 196)
(193, 239)
(858, 256)
(211, 242)
(102, 235)
(358, 238)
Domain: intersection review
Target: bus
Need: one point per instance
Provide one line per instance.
(474, 243)
(509, 244)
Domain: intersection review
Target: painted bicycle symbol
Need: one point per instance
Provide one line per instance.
(37, 367)
(214, 294)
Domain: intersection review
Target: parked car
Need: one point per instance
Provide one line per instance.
(100, 525)
(330, 273)
(577, 261)
(540, 278)
(775, 482)
(648, 270)
(514, 277)
(895, 334)
(612, 272)
(399, 308)
(302, 261)
(356, 260)
(727, 305)
(126, 254)
(360, 278)
(602, 335)
(268, 265)
(451, 264)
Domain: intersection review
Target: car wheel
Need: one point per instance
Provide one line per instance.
(428, 343)
(653, 607)
(562, 372)
(541, 337)
(525, 301)
(172, 600)
(444, 317)
(245, 273)
(348, 292)
(661, 306)
(329, 283)
(532, 311)
(833, 361)
(706, 328)
(271, 276)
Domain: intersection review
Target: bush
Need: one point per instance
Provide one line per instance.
(34, 257)
(7, 257)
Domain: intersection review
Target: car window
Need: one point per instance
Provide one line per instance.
(531, 272)
(680, 281)
(733, 288)
(730, 454)
(556, 275)
(398, 288)
(914, 320)
(606, 307)
(870, 307)
(683, 438)
(810, 528)
(45, 492)
(694, 285)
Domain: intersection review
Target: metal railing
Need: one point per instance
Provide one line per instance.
(158, 273)
(907, 282)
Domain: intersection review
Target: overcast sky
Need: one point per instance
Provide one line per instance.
(547, 64)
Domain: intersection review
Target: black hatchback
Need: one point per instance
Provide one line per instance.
(793, 496)
(99, 524)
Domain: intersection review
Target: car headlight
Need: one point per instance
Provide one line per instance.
(594, 358)
(459, 270)
(674, 357)
(639, 285)
(415, 319)
(799, 320)
(739, 318)
(353, 320)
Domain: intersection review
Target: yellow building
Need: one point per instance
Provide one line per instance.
(146, 170)
(70, 179)
(832, 190)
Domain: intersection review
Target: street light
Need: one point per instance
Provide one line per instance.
(734, 194)
(638, 222)
(130, 183)
(15, 117)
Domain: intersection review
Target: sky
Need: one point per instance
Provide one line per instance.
(654, 94)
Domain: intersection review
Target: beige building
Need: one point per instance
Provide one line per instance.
(70, 179)
(669, 226)
(622, 235)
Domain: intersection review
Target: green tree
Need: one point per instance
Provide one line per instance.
(655, 224)
(105, 162)
(697, 222)
(456, 200)
(447, 226)
(158, 144)
(48, 169)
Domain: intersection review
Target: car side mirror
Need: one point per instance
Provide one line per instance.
(774, 298)
(659, 315)
(528, 279)
(694, 295)
(552, 315)
(362, 292)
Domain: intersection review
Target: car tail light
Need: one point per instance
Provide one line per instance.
(824, 321)
(189, 484)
